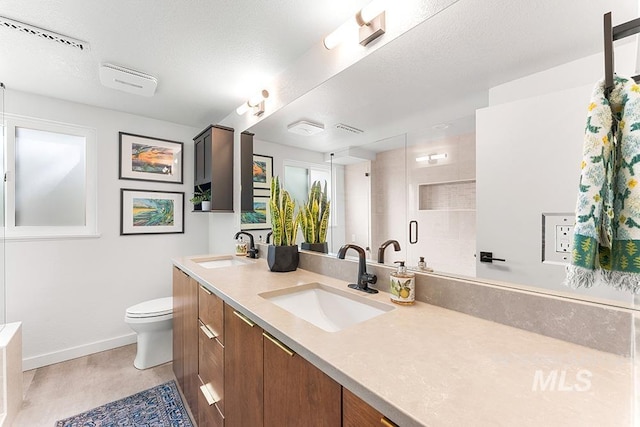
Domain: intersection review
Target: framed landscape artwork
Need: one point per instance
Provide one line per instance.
(259, 219)
(145, 158)
(151, 212)
(262, 172)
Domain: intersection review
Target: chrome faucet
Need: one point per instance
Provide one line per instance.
(252, 252)
(396, 247)
(364, 278)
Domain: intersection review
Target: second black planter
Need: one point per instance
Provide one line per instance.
(315, 247)
(283, 258)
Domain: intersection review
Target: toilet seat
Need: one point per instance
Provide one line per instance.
(153, 308)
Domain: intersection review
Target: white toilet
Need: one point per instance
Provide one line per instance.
(152, 320)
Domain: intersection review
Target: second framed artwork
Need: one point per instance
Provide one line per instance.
(144, 158)
(259, 218)
(151, 212)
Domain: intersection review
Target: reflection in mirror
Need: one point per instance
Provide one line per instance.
(415, 151)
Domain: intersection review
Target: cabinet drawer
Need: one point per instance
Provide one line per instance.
(211, 365)
(211, 312)
(356, 412)
(209, 414)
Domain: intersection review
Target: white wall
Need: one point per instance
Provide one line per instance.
(529, 147)
(71, 295)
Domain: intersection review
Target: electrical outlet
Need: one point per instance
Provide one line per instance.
(564, 238)
(557, 237)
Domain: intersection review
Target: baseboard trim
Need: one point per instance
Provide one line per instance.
(75, 352)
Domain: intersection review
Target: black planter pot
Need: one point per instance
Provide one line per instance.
(283, 258)
(315, 247)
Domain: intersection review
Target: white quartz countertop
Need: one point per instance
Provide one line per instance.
(425, 365)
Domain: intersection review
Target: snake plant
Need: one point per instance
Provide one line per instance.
(314, 215)
(284, 221)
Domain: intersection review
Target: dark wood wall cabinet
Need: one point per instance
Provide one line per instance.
(234, 374)
(246, 171)
(213, 168)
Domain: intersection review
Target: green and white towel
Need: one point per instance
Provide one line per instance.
(606, 240)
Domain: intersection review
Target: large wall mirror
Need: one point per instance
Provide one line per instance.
(420, 149)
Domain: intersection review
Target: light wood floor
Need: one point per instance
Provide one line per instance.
(65, 389)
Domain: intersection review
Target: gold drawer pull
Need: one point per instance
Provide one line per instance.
(279, 344)
(207, 291)
(208, 332)
(207, 395)
(244, 319)
(386, 423)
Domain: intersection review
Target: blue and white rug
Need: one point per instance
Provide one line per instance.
(159, 406)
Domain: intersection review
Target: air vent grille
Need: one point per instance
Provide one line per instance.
(42, 33)
(348, 128)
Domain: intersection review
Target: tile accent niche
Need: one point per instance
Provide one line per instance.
(448, 196)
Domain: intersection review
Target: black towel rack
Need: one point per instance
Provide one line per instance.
(612, 34)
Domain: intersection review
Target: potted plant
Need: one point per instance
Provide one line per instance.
(282, 254)
(201, 198)
(314, 219)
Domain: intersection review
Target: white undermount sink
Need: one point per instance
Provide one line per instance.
(326, 307)
(222, 261)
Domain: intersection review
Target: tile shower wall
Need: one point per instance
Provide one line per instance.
(447, 232)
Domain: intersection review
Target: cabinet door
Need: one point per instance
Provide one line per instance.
(199, 159)
(243, 377)
(357, 413)
(211, 312)
(191, 327)
(297, 392)
(180, 283)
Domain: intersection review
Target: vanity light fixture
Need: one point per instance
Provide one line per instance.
(432, 158)
(255, 103)
(369, 22)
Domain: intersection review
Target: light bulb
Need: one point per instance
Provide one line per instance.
(373, 9)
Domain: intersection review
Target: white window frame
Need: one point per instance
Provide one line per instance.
(317, 167)
(90, 229)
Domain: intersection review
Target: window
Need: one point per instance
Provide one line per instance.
(50, 179)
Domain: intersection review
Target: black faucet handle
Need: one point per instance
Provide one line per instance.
(252, 253)
(369, 278)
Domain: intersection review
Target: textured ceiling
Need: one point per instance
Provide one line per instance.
(441, 70)
(208, 55)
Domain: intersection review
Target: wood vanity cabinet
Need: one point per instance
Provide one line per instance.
(243, 368)
(213, 165)
(295, 390)
(357, 413)
(185, 336)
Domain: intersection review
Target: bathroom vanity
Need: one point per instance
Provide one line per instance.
(241, 359)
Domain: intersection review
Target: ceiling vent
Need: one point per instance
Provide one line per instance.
(348, 128)
(42, 33)
(305, 128)
(127, 80)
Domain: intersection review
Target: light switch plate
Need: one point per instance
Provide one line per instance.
(557, 237)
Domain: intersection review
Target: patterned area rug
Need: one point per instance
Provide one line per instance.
(159, 406)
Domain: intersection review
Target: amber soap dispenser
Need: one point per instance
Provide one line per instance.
(402, 285)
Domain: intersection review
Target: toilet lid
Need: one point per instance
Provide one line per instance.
(155, 307)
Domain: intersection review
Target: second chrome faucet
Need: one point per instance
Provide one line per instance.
(364, 278)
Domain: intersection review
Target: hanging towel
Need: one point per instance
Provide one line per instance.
(606, 240)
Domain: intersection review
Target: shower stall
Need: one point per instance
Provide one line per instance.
(10, 334)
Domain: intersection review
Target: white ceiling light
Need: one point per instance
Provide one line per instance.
(369, 21)
(255, 103)
(432, 158)
(127, 80)
(305, 128)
